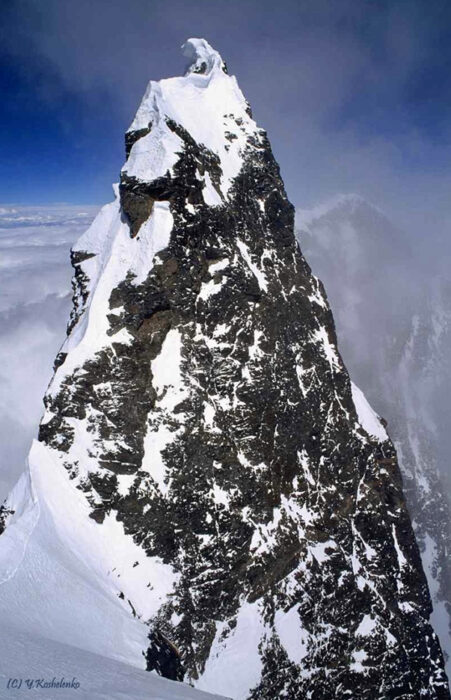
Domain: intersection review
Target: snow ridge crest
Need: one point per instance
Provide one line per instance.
(203, 57)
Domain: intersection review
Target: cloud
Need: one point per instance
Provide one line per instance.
(34, 308)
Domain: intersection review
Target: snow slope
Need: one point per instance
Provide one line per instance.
(29, 656)
(60, 609)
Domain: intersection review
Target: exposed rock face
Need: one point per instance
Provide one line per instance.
(200, 401)
(5, 513)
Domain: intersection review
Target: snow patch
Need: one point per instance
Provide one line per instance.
(166, 371)
(366, 626)
(261, 277)
(292, 635)
(368, 419)
(234, 665)
(321, 336)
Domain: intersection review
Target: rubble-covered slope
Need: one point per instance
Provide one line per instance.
(239, 493)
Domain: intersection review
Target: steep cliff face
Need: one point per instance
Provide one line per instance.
(245, 498)
(394, 327)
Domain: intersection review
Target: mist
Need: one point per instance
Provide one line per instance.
(35, 302)
(392, 310)
(392, 314)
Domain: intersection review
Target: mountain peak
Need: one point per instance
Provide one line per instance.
(349, 203)
(203, 58)
(206, 108)
(202, 454)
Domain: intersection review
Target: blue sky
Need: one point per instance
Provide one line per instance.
(355, 94)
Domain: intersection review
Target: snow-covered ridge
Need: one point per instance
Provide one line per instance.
(203, 57)
(225, 129)
(205, 89)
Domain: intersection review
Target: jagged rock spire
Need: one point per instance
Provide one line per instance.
(201, 412)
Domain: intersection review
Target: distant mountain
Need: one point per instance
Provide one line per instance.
(211, 498)
(393, 320)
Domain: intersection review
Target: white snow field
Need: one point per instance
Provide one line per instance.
(60, 615)
(89, 676)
